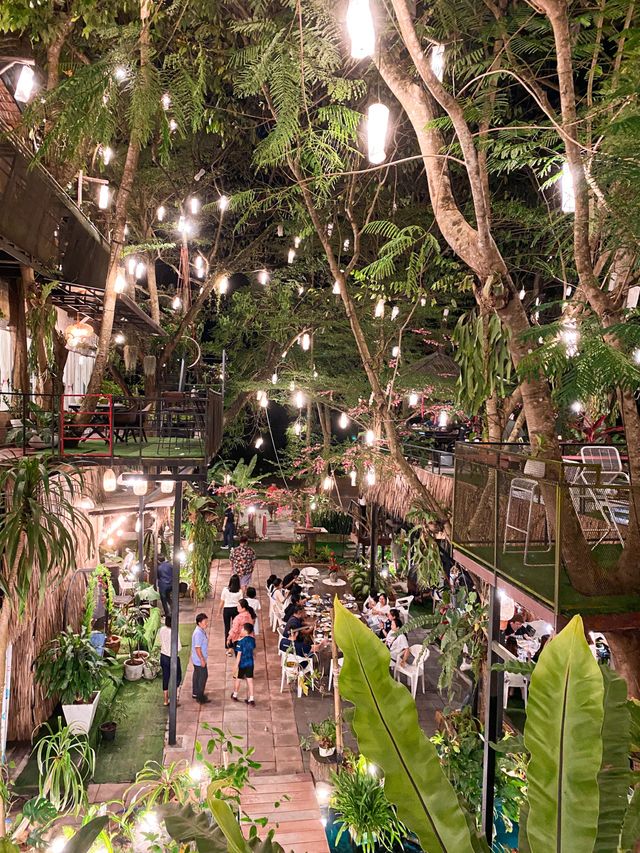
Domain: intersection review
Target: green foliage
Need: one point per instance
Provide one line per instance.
(425, 554)
(204, 538)
(323, 734)
(333, 520)
(70, 668)
(100, 578)
(64, 760)
(298, 551)
(151, 628)
(363, 810)
(482, 354)
(359, 575)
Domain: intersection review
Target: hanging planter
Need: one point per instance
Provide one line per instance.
(130, 354)
(80, 338)
(149, 366)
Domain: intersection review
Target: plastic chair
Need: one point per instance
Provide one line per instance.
(294, 666)
(517, 682)
(413, 671)
(276, 614)
(403, 604)
(340, 663)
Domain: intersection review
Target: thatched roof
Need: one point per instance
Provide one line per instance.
(396, 497)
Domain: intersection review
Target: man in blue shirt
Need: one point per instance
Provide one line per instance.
(199, 649)
(245, 648)
(165, 585)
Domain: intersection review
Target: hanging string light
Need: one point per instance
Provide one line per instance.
(395, 352)
(297, 427)
(274, 378)
(107, 154)
(140, 270)
(291, 256)
(570, 336)
(305, 341)
(522, 294)
(394, 312)
(296, 242)
(353, 476)
(379, 310)
(377, 126)
(259, 395)
(223, 203)
(183, 225)
(299, 399)
(327, 483)
(423, 301)
(194, 204)
(329, 229)
(199, 264)
(166, 486)
(336, 287)
(161, 213)
(223, 285)
(131, 265)
(165, 100)
(109, 480)
(568, 190)
(176, 303)
(343, 422)
(346, 244)
(120, 283)
(259, 442)
(300, 290)
(119, 338)
(370, 437)
(413, 399)
(361, 29)
(443, 419)
(173, 125)
(264, 401)
(437, 61)
(263, 277)
(371, 477)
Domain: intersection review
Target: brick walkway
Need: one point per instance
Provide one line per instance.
(270, 726)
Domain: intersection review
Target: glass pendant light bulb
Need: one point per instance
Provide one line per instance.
(370, 437)
(413, 399)
(305, 342)
(224, 284)
(259, 442)
(291, 256)
(107, 155)
(120, 283)
(263, 277)
(131, 265)
(361, 29)
(223, 203)
(336, 288)
(379, 310)
(343, 421)
(371, 477)
(437, 61)
(353, 476)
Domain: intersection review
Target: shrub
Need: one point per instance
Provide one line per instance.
(71, 668)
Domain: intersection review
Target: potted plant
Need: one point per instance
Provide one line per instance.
(151, 666)
(130, 626)
(71, 668)
(324, 735)
(298, 553)
(118, 712)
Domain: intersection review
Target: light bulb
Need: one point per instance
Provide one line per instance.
(443, 419)
(223, 203)
(314, 504)
(353, 476)
(259, 442)
(423, 301)
(199, 263)
(445, 313)
(343, 422)
(371, 477)
(576, 407)
(194, 204)
(109, 481)
(274, 378)
(522, 294)
(161, 213)
(291, 256)
(165, 100)
(346, 244)
(305, 342)
(570, 336)
(297, 427)
(327, 483)
(395, 352)
(437, 61)
(173, 125)
(264, 402)
(377, 126)
(131, 265)
(360, 28)
(120, 283)
(379, 310)
(120, 73)
(140, 270)
(296, 242)
(300, 290)
(636, 356)
(413, 399)
(183, 225)
(176, 304)
(119, 338)
(370, 437)
(259, 395)
(166, 486)
(336, 287)
(299, 399)
(394, 312)
(329, 229)
(107, 154)
(263, 277)
(24, 86)
(224, 284)
(196, 772)
(568, 190)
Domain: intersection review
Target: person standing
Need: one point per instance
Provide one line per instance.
(228, 528)
(165, 585)
(229, 598)
(244, 614)
(165, 658)
(245, 648)
(199, 649)
(243, 560)
(254, 604)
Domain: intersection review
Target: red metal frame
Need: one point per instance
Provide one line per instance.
(105, 426)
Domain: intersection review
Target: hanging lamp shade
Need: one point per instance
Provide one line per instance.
(361, 29)
(109, 480)
(140, 486)
(377, 125)
(166, 486)
(79, 337)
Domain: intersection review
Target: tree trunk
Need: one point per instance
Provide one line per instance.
(154, 302)
(5, 617)
(625, 649)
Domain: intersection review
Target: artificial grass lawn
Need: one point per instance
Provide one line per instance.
(140, 735)
(154, 448)
(267, 549)
(539, 579)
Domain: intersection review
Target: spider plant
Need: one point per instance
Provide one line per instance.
(364, 811)
(64, 760)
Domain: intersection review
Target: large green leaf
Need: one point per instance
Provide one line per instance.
(186, 825)
(85, 837)
(386, 725)
(614, 777)
(563, 733)
(631, 827)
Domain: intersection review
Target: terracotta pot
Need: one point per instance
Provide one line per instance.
(113, 644)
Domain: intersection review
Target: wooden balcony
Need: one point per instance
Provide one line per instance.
(177, 427)
(517, 522)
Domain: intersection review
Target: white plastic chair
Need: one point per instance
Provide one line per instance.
(608, 459)
(517, 682)
(340, 663)
(412, 671)
(293, 667)
(403, 604)
(276, 614)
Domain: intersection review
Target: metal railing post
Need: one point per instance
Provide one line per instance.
(175, 614)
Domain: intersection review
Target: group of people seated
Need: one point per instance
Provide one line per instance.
(386, 622)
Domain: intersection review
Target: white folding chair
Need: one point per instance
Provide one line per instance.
(403, 604)
(340, 663)
(294, 667)
(412, 671)
(608, 459)
(517, 682)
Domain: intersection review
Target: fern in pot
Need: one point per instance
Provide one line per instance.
(70, 668)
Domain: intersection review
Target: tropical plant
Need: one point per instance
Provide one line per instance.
(64, 761)
(332, 520)
(39, 536)
(298, 551)
(578, 735)
(322, 733)
(99, 582)
(363, 810)
(203, 541)
(359, 575)
(150, 629)
(130, 626)
(71, 668)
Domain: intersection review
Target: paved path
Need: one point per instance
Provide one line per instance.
(270, 726)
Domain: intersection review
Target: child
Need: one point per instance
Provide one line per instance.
(252, 601)
(244, 663)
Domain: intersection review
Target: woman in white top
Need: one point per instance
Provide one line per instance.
(252, 601)
(379, 613)
(229, 598)
(397, 644)
(165, 657)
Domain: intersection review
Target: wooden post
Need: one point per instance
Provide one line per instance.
(337, 706)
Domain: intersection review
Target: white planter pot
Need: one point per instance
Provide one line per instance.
(326, 753)
(133, 672)
(149, 671)
(80, 717)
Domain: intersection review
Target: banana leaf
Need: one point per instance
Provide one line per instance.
(563, 733)
(614, 777)
(631, 826)
(386, 725)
